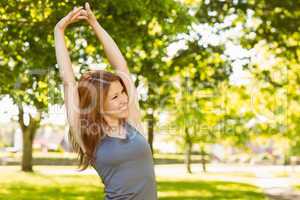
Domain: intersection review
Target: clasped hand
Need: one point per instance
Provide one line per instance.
(78, 13)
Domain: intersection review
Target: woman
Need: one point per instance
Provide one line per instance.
(105, 119)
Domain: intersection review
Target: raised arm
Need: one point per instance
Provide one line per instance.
(117, 61)
(71, 97)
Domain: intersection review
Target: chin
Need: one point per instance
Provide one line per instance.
(124, 114)
(121, 115)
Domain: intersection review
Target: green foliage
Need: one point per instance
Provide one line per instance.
(27, 54)
(272, 27)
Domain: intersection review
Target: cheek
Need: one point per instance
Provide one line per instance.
(112, 105)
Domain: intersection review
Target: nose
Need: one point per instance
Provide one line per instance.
(124, 101)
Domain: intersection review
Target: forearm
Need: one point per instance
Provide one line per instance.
(71, 97)
(62, 57)
(111, 49)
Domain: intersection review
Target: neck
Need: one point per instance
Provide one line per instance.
(113, 123)
(115, 128)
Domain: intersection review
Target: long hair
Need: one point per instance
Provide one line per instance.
(93, 87)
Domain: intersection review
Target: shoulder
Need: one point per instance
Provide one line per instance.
(137, 125)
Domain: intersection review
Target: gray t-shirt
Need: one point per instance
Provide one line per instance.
(125, 167)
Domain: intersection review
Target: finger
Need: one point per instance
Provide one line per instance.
(87, 7)
(75, 16)
(74, 11)
(82, 17)
(84, 12)
(71, 14)
(75, 8)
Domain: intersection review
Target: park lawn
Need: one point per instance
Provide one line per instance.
(15, 185)
(293, 174)
(193, 189)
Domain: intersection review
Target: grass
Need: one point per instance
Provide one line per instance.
(39, 186)
(206, 190)
(286, 174)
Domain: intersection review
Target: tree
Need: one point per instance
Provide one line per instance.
(25, 56)
(271, 25)
(200, 71)
(29, 74)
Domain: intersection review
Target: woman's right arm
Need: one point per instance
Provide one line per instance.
(71, 96)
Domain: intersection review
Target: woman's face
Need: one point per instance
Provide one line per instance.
(116, 103)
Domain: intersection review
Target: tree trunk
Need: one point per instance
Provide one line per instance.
(203, 161)
(188, 154)
(150, 122)
(28, 132)
(27, 152)
(188, 150)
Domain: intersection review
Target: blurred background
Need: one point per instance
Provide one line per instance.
(218, 84)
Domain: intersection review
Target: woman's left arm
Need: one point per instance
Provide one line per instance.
(118, 62)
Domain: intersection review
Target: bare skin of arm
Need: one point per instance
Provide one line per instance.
(117, 61)
(71, 97)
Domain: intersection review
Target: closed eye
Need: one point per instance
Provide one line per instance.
(117, 95)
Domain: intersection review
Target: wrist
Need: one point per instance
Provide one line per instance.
(59, 29)
(94, 23)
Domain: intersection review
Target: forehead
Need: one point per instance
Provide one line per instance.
(114, 87)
